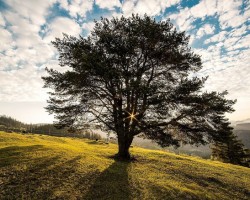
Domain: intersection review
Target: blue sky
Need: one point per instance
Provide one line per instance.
(219, 32)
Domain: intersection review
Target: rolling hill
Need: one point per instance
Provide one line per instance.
(243, 126)
(47, 167)
(242, 130)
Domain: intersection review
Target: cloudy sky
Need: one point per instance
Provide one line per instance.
(219, 31)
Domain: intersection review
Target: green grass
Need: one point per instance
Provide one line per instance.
(46, 167)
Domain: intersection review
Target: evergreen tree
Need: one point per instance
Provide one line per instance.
(227, 148)
(135, 76)
(247, 159)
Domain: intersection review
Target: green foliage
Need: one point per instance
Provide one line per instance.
(135, 75)
(46, 167)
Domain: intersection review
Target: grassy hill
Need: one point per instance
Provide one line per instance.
(47, 167)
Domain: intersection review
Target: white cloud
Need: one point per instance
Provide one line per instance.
(24, 46)
(207, 29)
(228, 71)
(23, 84)
(243, 42)
(2, 22)
(186, 16)
(62, 25)
(24, 53)
(88, 26)
(35, 11)
(6, 39)
(234, 78)
(128, 7)
(20, 57)
(183, 19)
(108, 4)
(25, 33)
(150, 7)
(209, 56)
(237, 32)
(204, 8)
(77, 7)
(219, 37)
(228, 13)
(233, 20)
(230, 42)
(233, 53)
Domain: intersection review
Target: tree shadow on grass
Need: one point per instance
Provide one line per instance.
(27, 181)
(99, 142)
(112, 183)
(14, 154)
(47, 175)
(204, 183)
(33, 172)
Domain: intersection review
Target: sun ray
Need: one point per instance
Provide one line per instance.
(132, 116)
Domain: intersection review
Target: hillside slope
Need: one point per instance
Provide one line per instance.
(46, 167)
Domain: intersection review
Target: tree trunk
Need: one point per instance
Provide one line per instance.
(124, 144)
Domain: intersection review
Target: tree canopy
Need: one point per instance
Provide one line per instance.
(135, 76)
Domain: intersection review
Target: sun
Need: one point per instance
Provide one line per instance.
(132, 116)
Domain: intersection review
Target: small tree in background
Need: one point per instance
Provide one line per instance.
(135, 76)
(227, 148)
(247, 159)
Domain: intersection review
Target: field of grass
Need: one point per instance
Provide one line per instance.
(46, 167)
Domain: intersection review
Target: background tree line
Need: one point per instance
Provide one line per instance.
(10, 124)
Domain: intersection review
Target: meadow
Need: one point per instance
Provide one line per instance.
(47, 167)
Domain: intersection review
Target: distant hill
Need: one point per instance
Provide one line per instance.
(242, 130)
(243, 127)
(12, 125)
(244, 136)
(48, 167)
(10, 122)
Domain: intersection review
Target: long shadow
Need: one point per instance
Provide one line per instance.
(26, 177)
(27, 183)
(15, 154)
(54, 177)
(112, 183)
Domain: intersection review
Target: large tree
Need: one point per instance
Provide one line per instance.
(135, 76)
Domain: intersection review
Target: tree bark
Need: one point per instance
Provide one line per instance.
(124, 144)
